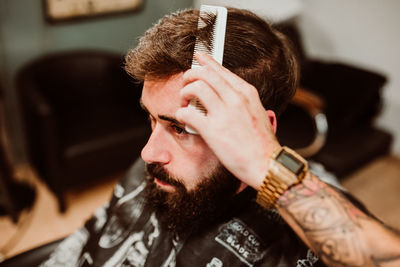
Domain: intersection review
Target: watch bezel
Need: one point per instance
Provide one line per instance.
(294, 157)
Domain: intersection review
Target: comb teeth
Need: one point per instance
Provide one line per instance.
(194, 102)
(199, 46)
(218, 35)
(217, 45)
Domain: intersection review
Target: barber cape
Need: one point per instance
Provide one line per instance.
(126, 232)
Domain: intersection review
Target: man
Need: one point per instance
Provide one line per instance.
(224, 197)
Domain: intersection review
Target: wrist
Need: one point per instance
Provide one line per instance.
(285, 169)
(260, 175)
(261, 172)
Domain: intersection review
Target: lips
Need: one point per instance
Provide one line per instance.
(164, 185)
(161, 182)
(162, 178)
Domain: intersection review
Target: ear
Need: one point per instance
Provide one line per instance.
(272, 119)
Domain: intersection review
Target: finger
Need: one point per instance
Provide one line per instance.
(207, 60)
(204, 93)
(193, 118)
(231, 78)
(221, 87)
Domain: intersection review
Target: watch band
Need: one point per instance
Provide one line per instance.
(286, 168)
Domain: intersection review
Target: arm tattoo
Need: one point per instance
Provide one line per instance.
(331, 224)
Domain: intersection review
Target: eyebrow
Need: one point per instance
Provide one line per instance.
(170, 119)
(162, 117)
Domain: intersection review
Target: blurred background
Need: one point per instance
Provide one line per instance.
(70, 122)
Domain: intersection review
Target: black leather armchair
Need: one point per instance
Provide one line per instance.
(82, 117)
(333, 122)
(330, 119)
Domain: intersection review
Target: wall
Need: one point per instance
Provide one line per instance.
(363, 33)
(25, 35)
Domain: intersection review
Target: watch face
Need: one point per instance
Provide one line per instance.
(290, 162)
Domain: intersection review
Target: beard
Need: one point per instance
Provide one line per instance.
(183, 210)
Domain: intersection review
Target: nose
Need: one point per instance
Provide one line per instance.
(156, 149)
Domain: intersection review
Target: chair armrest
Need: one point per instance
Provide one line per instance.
(32, 257)
(42, 131)
(314, 105)
(39, 103)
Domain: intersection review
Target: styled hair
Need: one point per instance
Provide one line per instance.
(253, 50)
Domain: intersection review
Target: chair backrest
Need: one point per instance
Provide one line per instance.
(79, 99)
(82, 77)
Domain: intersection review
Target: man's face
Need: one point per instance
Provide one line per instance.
(181, 154)
(187, 184)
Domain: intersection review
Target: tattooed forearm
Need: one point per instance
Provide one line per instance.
(330, 224)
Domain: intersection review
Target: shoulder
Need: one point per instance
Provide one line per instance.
(133, 178)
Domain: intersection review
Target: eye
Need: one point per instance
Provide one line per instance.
(178, 130)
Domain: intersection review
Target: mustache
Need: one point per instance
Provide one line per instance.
(155, 170)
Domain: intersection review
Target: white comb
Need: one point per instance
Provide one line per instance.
(216, 49)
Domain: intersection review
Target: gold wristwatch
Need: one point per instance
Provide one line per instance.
(286, 168)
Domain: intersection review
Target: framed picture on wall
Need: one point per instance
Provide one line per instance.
(64, 10)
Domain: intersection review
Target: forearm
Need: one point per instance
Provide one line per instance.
(340, 233)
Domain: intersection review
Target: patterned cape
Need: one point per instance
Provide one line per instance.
(126, 232)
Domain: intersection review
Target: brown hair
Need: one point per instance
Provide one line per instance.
(253, 50)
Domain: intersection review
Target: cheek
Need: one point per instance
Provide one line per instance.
(206, 162)
(190, 165)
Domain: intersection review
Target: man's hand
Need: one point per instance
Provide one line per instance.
(239, 131)
(237, 127)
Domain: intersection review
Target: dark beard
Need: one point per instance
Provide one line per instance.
(184, 210)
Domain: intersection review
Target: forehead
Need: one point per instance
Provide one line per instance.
(162, 96)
